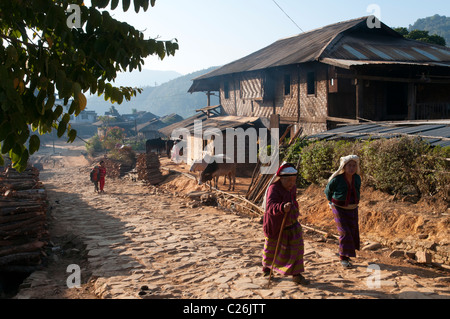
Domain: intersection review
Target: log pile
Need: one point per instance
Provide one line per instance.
(260, 182)
(148, 168)
(114, 168)
(23, 226)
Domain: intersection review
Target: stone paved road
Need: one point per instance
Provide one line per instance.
(138, 238)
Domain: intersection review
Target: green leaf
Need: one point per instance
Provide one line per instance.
(5, 129)
(145, 5)
(58, 111)
(12, 56)
(16, 153)
(61, 129)
(50, 102)
(34, 144)
(8, 143)
(72, 135)
(114, 4)
(21, 165)
(23, 136)
(137, 5)
(125, 5)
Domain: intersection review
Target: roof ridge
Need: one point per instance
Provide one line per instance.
(320, 28)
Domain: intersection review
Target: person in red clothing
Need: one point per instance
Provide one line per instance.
(94, 177)
(102, 175)
(280, 200)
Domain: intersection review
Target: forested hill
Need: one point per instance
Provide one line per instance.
(167, 98)
(436, 24)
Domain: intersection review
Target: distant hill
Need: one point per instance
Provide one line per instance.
(145, 78)
(164, 99)
(436, 24)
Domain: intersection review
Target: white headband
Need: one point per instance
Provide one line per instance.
(288, 171)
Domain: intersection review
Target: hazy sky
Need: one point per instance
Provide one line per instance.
(216, 32)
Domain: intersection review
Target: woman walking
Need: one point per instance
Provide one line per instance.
(284, 253)
(102, 175)
(343, 194)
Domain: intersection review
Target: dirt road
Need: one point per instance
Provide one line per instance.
(140, 242)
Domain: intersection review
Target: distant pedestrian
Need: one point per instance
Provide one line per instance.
(102, 175)
(280, 204)
(343, 194)
(95, 174)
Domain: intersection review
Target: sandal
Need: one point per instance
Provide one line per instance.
(299, 279)
(346, 263)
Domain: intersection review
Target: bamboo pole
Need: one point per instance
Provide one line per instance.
(276, 249)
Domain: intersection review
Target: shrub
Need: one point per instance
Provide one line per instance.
(394, 165)
(406, 165)
(95, 145)
(315, 163)
(124, 155)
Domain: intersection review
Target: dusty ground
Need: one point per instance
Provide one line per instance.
(381, 217)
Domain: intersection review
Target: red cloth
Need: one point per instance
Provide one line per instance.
(102, 173)
(277, 196)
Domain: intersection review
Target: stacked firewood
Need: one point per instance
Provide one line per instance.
(260, 182)
(147, 167)
(23, 223)
(258, 185)
(114, 168)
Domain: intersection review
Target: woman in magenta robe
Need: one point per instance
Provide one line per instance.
(280, 199)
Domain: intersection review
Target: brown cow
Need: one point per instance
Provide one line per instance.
(215, 169)
(198, 166)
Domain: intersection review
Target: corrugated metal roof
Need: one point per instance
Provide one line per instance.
(219, 122)
(346, 64)
(349, 43)
(435, 134)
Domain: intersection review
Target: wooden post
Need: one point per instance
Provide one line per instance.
(274, 121)
(359, 98)
(411, 101)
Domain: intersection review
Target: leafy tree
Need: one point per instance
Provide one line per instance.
(421, 35)
(436, 24)
(46, 64)
(113, 111)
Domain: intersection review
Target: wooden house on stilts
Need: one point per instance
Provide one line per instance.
(348, 72)
(342, 73)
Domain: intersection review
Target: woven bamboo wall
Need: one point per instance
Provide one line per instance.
(246, 92)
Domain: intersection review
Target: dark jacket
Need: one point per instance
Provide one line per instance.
(277, 196)
(341, 192)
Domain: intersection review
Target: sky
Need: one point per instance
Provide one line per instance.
(217, 32)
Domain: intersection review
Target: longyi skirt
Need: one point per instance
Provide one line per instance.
(347, 225)
(289, 260)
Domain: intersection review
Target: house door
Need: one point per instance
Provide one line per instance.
(396, 100)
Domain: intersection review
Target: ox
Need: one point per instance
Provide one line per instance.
(157, 144)
(198, 166)
(214, 170)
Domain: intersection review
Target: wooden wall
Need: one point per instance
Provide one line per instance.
(249, 95)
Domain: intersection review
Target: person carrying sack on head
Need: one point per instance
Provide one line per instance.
(343, 194)
(283, 248)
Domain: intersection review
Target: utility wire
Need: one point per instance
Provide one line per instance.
(287, 15)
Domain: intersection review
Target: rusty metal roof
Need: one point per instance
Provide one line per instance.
(345, 44)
